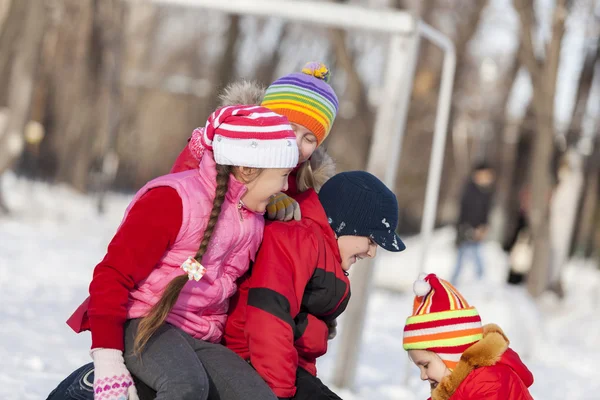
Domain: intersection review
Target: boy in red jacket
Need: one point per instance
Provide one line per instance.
(461, 359)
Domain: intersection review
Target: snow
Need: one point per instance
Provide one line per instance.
(52, 241)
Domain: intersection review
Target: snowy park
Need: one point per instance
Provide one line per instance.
(50, 245)
(173, 129)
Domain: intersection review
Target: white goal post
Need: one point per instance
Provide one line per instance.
(405, 33)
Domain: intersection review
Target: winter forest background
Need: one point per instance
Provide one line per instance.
(99, 96)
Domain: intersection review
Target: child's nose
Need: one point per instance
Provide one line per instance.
(424, 376)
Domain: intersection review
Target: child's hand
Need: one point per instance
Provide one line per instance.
(112, 380)
(283, 208)
(332, 329)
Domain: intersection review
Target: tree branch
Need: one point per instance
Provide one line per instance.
(527, 51)
(553, 54)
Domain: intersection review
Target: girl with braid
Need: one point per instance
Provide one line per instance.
(309, 102)
(159, 299)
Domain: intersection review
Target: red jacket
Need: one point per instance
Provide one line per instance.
(487, 370)
(277, 318)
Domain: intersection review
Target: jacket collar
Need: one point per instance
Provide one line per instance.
(490, 350)
(313, 210)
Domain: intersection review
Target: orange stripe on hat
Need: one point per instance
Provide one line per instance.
(443, 335)
(442, 321)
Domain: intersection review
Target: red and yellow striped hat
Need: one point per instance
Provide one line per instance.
(442, 321)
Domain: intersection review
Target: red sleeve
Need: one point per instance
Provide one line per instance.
(279, 276)
(150, 228)
(311, 340)
(185, 161)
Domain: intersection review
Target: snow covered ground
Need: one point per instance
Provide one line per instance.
(54, 238)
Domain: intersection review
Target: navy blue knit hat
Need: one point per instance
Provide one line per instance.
(359, 204)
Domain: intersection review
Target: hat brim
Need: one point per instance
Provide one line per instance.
(388, 240)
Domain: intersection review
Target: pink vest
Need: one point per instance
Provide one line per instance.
(201, 309)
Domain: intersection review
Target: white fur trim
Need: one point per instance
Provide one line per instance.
(421, 288)
(255, 153)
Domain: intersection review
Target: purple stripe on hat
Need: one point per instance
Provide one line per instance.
(325, 91)
(314, 84)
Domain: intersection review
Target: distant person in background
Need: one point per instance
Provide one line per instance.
(472, 224)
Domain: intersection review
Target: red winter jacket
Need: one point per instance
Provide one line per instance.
(487, 370)
(277, 318)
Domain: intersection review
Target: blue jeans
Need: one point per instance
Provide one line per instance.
(472, 249)
(77, 386)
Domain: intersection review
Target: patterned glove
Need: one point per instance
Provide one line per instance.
(112, 380)
(283, 208)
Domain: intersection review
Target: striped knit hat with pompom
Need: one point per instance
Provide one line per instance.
(442, 321)
(247, 136)
(305, 98)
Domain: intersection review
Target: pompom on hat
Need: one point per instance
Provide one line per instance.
(442, 321)
(305, 98)
(247, 136)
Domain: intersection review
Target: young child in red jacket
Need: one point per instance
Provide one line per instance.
(461, 359)
(278, 320)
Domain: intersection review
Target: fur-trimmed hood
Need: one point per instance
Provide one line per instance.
(243, 92)
(316, 172)
(321, 166)
(490, 351)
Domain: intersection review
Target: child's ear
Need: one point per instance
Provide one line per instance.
(247, 174)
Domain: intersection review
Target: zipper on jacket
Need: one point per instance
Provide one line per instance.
(239, 207)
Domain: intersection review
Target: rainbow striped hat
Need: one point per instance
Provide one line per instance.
(305, 98)
(442, 321)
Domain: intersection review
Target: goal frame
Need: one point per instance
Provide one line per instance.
(406, 32)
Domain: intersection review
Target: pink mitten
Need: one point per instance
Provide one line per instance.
(112, 380)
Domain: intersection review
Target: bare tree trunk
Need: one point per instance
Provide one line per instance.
(114, 22)
(21, 87)
(574, 132)
(544, 76)
(594, 238)
(355, 117)
(75, 91)
(506, 172)
(583, 93)
(465, 32)
(507, 141)
(12, 29)
(588, 207)
(228, 61)
(266, 72)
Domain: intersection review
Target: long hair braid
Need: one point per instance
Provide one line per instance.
(159, 312)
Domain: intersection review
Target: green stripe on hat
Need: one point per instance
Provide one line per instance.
(301, 100)
(302, 92)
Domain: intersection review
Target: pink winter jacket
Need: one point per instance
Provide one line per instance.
(201, 309)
